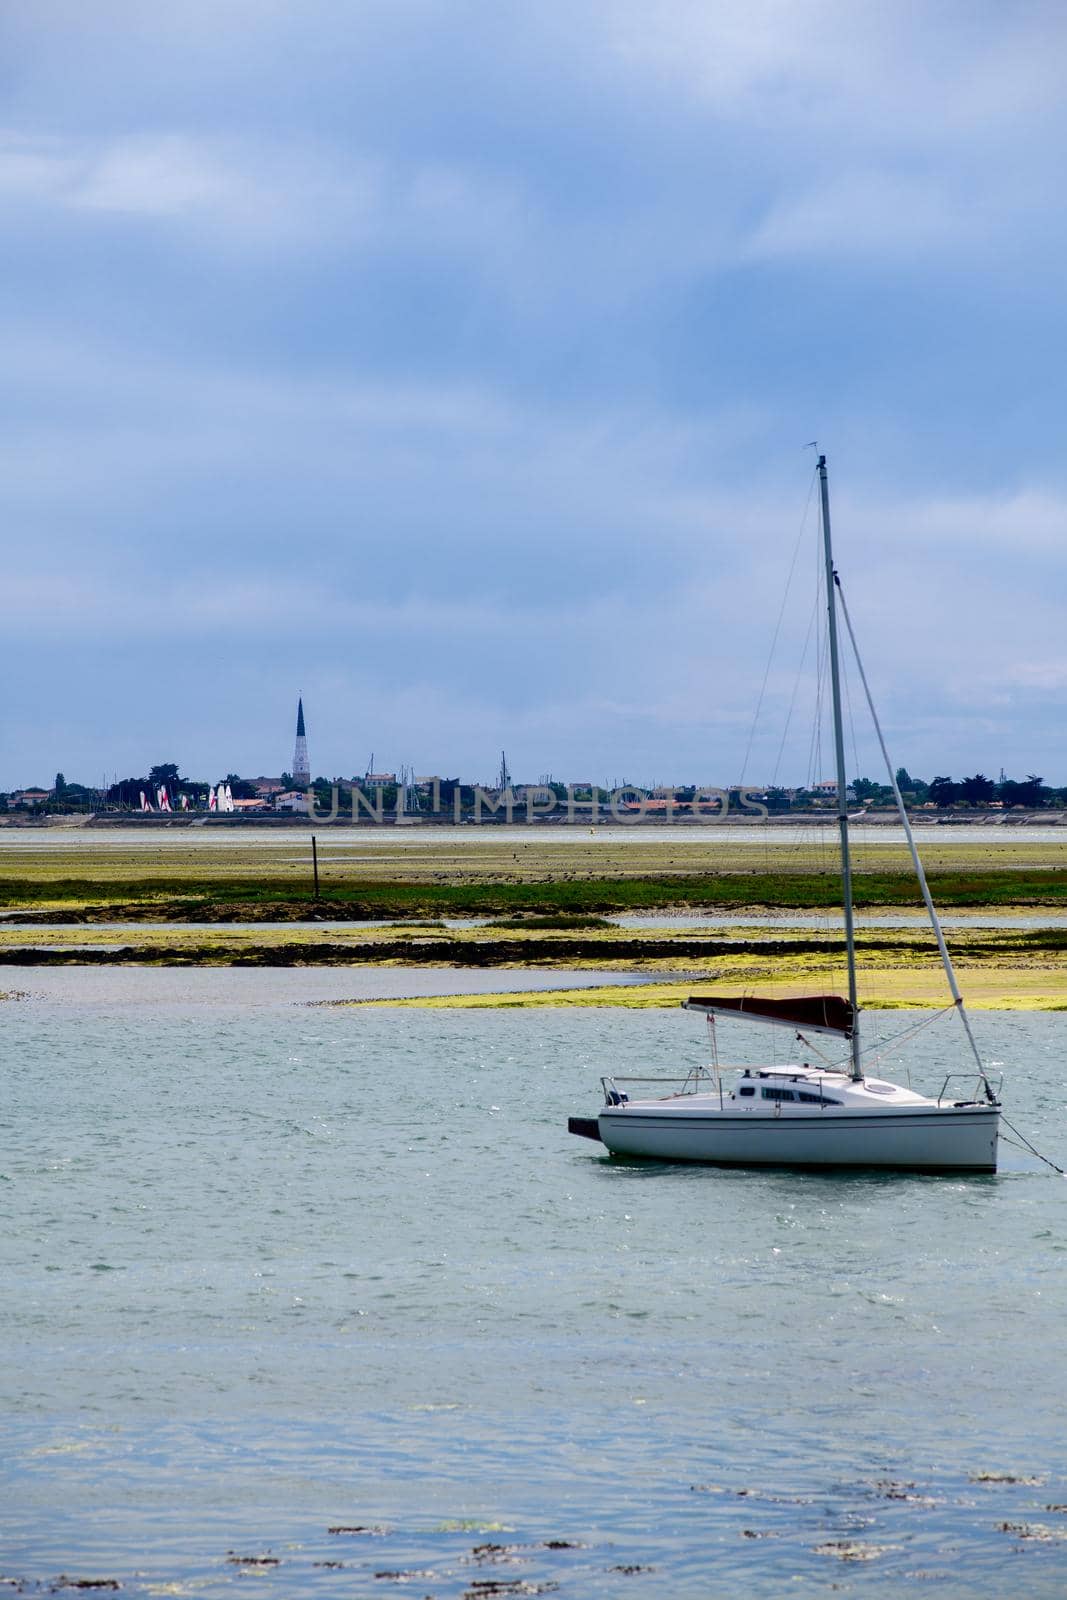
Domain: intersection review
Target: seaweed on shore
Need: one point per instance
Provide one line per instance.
(271, 899)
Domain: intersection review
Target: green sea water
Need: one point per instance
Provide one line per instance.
(272, 1270)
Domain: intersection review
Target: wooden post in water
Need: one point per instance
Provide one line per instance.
(315, 863)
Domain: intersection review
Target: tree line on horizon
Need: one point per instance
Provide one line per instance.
(941, 792)
(1031, 793)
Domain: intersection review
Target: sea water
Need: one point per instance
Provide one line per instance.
(273, 1270)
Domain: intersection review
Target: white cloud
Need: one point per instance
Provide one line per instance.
(228, 191)
(944, 527)
(165, 177)
(867, 212)
(897, 78)
(865, 130)
(1048, 675)
(231, 187)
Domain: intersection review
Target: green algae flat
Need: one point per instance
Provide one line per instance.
(244, 903)
(1001, 990)
(197, 875)
(1001, 968)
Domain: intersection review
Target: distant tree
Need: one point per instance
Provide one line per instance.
(287, 780)
(239, 787)
(867, 789)
(69, 797)
(977, 791)
(943, 792)
(166, 773)
(1033, 793)
(916, 790)
(127, 791)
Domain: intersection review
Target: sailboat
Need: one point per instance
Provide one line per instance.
(830, 1115)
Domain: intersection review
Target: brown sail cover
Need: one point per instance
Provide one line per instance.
(819, 1013)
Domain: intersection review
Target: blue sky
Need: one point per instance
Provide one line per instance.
(452, 364)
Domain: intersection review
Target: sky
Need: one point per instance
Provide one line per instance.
(453, 365)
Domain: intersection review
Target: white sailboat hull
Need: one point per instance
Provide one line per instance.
(930, 1138)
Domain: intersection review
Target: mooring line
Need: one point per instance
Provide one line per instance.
(1048, 1162)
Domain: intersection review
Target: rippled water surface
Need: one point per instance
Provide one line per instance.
(273, 1271)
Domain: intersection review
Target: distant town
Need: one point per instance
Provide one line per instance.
(163, 794)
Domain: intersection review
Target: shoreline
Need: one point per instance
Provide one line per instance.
(137, 822)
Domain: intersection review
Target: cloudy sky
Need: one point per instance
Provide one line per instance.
(452, 361)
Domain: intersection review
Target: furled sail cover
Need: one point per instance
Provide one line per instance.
(817, 1013)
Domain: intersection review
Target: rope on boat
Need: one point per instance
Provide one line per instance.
(809, 1045)
(909, 1033)
(887, 1044)
(1025, 1142)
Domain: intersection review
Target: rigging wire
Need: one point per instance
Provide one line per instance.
(851, 725)
(857, 843)
(809, 1044)
(777, 630)
(796, 688)
(946, 959)
(822, 662)
(886, 1044)
(908, 1033)
(823, 849)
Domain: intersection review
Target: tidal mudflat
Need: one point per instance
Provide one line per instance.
(1013, 961)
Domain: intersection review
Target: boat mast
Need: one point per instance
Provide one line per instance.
(842, 781)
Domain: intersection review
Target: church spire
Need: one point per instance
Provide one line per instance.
(301, 765)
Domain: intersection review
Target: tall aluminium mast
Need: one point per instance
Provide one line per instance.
(842, 781)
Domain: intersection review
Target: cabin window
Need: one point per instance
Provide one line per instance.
(778, 1094)
(746, 1089)
(816, 1099)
